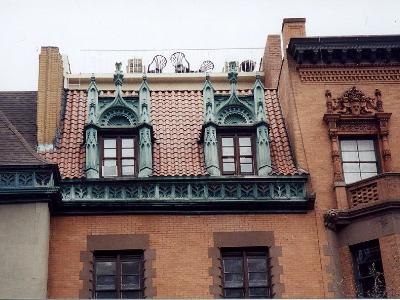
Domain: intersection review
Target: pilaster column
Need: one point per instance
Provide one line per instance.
(92, 145)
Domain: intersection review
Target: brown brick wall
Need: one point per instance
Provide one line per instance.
(303, 105)
(272, 61)
(346, 283)
(50, 87)
(390, 253)
(181, 245)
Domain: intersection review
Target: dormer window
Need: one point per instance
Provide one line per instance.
(119, 156)
(237, 155)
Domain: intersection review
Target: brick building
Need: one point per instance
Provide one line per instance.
(277, 183)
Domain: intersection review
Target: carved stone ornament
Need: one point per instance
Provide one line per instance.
(354, 102)
(356, 115)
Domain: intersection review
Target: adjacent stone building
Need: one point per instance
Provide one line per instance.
(276, 183)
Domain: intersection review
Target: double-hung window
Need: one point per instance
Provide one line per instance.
(368, 270)
(237, 154)
(246, 273)
(359, 159)
(119, 156)
(118, 275)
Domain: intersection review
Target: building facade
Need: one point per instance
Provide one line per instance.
(279, 183)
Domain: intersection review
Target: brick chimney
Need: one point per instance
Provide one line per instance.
(292, 27)
(272, 61)
(50, 89)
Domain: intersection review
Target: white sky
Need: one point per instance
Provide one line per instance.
(157, 24)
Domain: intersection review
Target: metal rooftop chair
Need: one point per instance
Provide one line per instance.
(248, 66)
(206, 66)
(157, 64)
(180, 63)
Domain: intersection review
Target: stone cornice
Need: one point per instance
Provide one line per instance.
(345, 50)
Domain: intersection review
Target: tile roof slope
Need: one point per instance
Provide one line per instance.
(20, 110)
(69, 152)
(281, 155)
(14, 149)
(177, 118)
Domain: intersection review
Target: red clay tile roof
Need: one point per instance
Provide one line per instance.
(14, 149)
(20, 109)
(177, 118)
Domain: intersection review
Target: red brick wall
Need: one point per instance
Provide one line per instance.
(303, 105)
(181, 244)
(390, 253)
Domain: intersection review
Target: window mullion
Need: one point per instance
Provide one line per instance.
(245, 275)
(236, 154)
(118, 277)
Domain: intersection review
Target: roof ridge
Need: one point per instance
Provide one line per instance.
(21, 139)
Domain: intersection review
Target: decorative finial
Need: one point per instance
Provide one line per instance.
(118, 75)
(93, 78)
(144, 77)
(208, 76)
(118, 66)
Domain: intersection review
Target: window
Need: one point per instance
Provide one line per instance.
(359, 159)
(237, 154)
(119, 156)
(118, 275)
(368, 270)
(246, 273)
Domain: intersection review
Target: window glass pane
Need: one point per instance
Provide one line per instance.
(351, 167)
(228, 167)
(228, 160)
(127, 143)
(131, 282)
(233, 293)
(110, 162)
(131, 295)
(368, 167)
(257, 279)
(105, 282)
(131, 267)
(110, 153)
(352, 177)
(109, 170)
(350, 156)
(106, 295)
(227, 141)
(348, 145)
(246, 160)
(227, 151)
(128, 153)
(245, 151)
(258, 292)
(257, 264)
(105, 268)
(128, 162)
(367, 156)
(128, 170)
(246, 168)
(233, 265)
(244, 141)
(110, 143)
(368, 175)
(365, 145)
(233, 280)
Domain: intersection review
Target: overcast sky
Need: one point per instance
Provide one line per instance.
(75, 26)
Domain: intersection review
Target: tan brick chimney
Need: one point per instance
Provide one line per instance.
(50, 89)
(272, 61)
(292, 27)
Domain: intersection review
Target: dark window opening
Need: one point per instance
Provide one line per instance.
(368, 270)
(246, 273)
(119, 156)
(118, 275)
(237, 154)
(359, 159)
